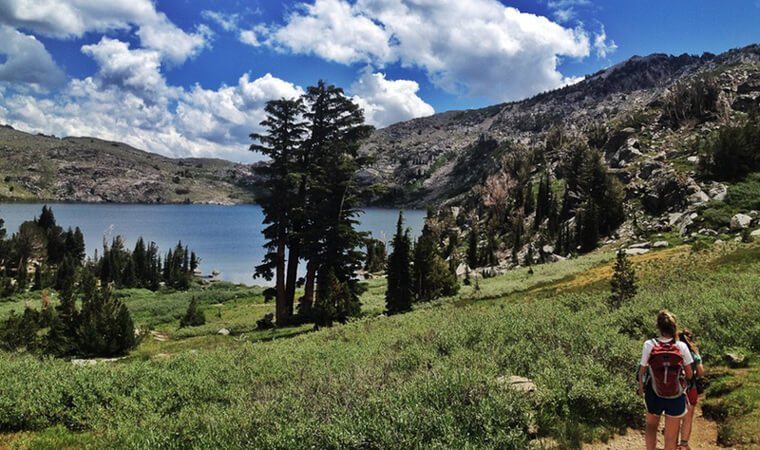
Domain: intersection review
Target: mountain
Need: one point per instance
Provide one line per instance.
(438, 159)
(83, 169)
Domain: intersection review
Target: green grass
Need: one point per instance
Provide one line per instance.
(425, 379)
(734, 400)
(742, 197)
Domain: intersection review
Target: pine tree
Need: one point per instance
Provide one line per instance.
(281, 144)
(193, 316)
(398, 296)
(105, 327)
(432, 276)
(472, 249)
(331, 242)
(623, 282)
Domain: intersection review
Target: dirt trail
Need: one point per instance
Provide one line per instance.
(704, 436)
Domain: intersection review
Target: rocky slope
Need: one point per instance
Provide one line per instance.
(38, 167)
(440, 158)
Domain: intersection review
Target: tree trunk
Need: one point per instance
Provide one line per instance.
(292, 276)
(281, 304)
(308, 295)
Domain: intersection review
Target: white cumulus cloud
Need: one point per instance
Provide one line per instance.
(27, 61)
(477, 48)
(74, 18)
(388, 101)
(602, 46)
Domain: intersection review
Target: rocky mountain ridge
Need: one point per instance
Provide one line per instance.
(83, 169)
(440, 158)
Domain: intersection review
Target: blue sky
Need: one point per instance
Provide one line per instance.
(191, 77)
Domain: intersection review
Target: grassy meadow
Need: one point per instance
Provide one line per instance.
(425, 379)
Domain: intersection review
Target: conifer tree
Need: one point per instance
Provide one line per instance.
(193, 316)
(623, 282)
(331, 241)
(281, 144)
(472, 248)
(398, 296)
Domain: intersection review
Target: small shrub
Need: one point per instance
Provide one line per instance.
(193, 317)
(692, 101)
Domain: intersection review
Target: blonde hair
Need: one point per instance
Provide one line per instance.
(666, 324)
(687, 336)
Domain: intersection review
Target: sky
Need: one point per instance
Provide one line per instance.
(191, 77)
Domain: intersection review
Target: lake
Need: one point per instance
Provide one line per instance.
(226, 238)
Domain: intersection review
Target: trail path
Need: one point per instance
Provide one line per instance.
(704, 436)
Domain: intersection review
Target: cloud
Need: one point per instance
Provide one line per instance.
(478, 48)
(228, 21)
(601, 46)
(128, 100)
(175, 45)
(333, 30)
(388, 101)
(566, 10)
(73, 18)
(27, 61)
(137, 71)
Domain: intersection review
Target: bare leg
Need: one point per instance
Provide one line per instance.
(688, 420)
(672, 424)
(651, 435)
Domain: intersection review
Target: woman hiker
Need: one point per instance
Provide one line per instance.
(667, 362)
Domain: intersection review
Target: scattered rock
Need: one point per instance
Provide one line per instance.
(84, 362)
(693, 159)
(639, 245)
(636, 251)
(223, 332)
(707, 232)
(462, 269)
(735, 360)
(698, 198)
(159, 336)
(661, 244)
(740, 222)
(547, 249)
(518, 383)
(755, 233)
(718, 192)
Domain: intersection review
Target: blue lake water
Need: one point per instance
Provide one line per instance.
(226, 238)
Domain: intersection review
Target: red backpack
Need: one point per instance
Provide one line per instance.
(666, 371)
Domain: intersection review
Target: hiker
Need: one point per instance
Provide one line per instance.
(666, 362)
(692, 392)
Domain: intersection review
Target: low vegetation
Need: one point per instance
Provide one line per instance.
(427, 378)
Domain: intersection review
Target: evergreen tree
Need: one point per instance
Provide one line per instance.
(105, 327)
(65, 275)
(432, 276)
(398, 296)
(281, 143)
(331, 242)
(472, 248)
(623, 282)
(530, 200)
(193, 316)
(37, 285)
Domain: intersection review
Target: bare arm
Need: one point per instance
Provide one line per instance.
(642, 370)
(689, 372)
(700, 371)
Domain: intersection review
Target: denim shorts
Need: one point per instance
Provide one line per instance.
(672, 407)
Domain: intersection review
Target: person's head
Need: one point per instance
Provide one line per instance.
(666, 324)
(687, 336)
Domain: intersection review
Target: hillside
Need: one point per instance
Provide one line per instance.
(82, 169)
(436, 377)
(442, 157)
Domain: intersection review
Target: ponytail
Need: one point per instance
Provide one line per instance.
(666, 323)
(688, 337)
